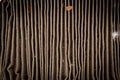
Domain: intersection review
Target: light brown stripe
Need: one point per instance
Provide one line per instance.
(82, 44)
(23, 56)
(51, 30)
(92, 43)
(65, 42)
(106, 45)
(39, 39)
(103, 44)
(88, 42)
(57, 43)
(79, 39)
(73, 44)
(32, 37)
(96, 40)
(76, 39)
(47, 42)
(85, 36)
(36, 56)
(61, 39)
(41, 47)
(99, 39)
(69, 40)
(53, 40)
(28, 43)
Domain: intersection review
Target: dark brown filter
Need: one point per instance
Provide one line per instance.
(60, 39)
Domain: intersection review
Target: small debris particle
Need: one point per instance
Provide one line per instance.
(115, 35)
(68, 8)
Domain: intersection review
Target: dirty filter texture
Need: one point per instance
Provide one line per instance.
(60, 39)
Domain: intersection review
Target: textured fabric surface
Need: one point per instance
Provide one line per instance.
(60, 39)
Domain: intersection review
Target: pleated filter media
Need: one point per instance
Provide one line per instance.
(60, 39)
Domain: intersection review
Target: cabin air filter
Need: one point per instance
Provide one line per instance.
(59, 39)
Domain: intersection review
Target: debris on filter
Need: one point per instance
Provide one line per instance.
(115, 35)
(68, 8)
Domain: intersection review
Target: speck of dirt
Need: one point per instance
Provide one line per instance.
(68, 8)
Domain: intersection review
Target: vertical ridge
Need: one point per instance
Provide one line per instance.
(28, 43)
(99, 40)
(11, 65)
(25, 27)
(88, 42)
(53, 40)
(79, 39)
(96, 40)
(114, 41)
(2, 55)
(76, 39)
(41, 36)
(23, 56)
(47, 42)
(92, 42)
(82, 43)
(57, 43)
(65, 45)
(32, 38)
(51, 11)
(85, 35)
(111, 44)
(69, 61)
(73, 44)
(106, 44)
(61, 38)
(39, 39)
(102, 72)
(18, 62)
(118, 30)
(36, 40)
(45, 39)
